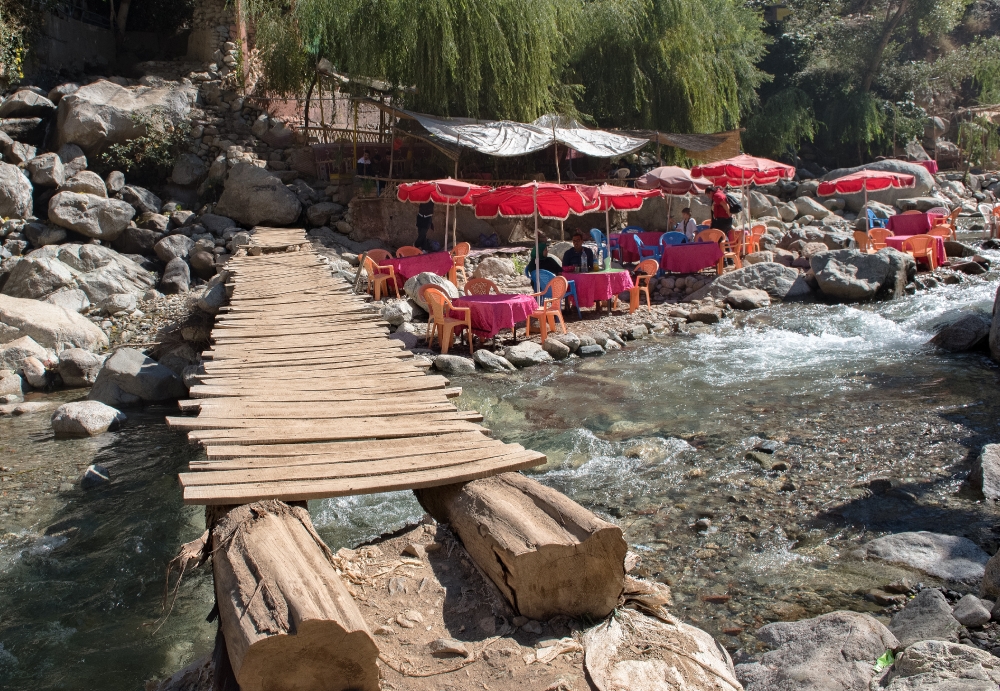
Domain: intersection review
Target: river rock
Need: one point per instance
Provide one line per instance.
(14, 353)
(202, 263)
(254, 196)
(526, 354)
(832, 651)
(990, 586)
(12, 387)
(454, 364)
(970, 611)
(398, 312)
(73, 159)
(118, 303)
(90, 215)
(413, 284)
(213, 298)
(927, 616)
(34, 372)
(27, 130)
(758, 257)
(14, 152)
(948, 557)
(495, 267)
(129, 378)
(96, 270)
(115, 181)
(705, 314)
(176, 276)
(41, 234)
(966, 333)
(995, 329)
(942, 666)
(748, 299)
(72, 299)
(79, 367)
(319, 214)
(26, 104)
(85, 419)
(189, 169)
(571, 340)
(158, 223)
(172, 247)
(807, 206)
(135, 240)
(491, 362)
(50, 326)
(923, 183)
(217, 224)
(557, 349)
(16, 199)
(778, 281)
(985, 473)
(46, 170)
(99, 114)
(141, 199)
(851, 275)
(958, 249)
(797, 238)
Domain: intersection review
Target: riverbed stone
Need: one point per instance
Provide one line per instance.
(491, 362)
(51, 326)
(985, 473)
(40, 234)
(74, 160)
(413, 284)
(213, 298)
(46, 170)
(118, 303)
(970, 611)
(16, 199)
(965, 333)
(254, 196)
(454, 364)
(948, 557)
(202, 263)
(990, 586)
(15, 352)
(85, 419)
(852, 276)
(570, 340)
(526, 354)
(942, 666)
(96, 270)
(90, 215)
(173, 246)
(12, 387)
(495, 267)
(72, 299)
(79, 367)
(557, 349)
(748, 299)
(129, 378)
(176, 276)
(398, 312)
(777, 280)
(832, 651)
(592, 350)
(926, 616)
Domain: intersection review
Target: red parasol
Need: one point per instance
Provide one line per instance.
(672, 180)
(447, 191)
(865, 181)
(623, 198)
(743, 170)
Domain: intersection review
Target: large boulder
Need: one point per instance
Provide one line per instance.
(927, 616)
(176, 276)
(46, 170)
(173, 246)
(73, 159)
(526, 354)
(924, 183)
(413, 284)
(189, 169)
(85, 182)
(129, 378)
(965, 333)
(495, 267)
(948, 557)
(85, 419)
(852, 276)
(26, 104)
(90, 215)
(79, 367)
(807, 206)
(14, 353)
(15, 193)
(50, 326)
(832, 651)
(135, 240)
(319, 215)
(778, 281)
(253, 196)
(96, 270)
(141, 199)
(942, 666)
(834, 239)
(102, 113)
(985, 473)
(42, 234)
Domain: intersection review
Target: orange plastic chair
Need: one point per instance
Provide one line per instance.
(753, 242)
(864, 243)
(550, 309)
(458, 253)
(645, 271)
(921, 247)
(379, 256)
(378, 277)
(716, 235)
(940, 231)
(877, 236)
(481, 286)
(444, 324)
(739, 242)
(911, 212)
(408, 251)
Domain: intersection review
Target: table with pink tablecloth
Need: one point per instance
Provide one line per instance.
(931, 166)
(626, 243)
(491, 314)
(896, 242)
(600, 285)
(439, 263)
(691, 257)
(909, 224)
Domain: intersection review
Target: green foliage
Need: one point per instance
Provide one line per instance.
(148, 157)
(15, 30)
(783, 123)
(979, 140)
(887, 659)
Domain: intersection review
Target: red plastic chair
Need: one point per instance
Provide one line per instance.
(444, 325)
(550, 310)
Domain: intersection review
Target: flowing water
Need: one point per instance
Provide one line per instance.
(654, 438)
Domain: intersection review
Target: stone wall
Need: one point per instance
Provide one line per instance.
(212, 25)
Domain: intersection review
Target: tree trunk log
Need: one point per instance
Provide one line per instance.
(547, 554)
(288, 620)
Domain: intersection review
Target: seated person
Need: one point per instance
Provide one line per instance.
(545, 262)
(572, 256)
(688, 226)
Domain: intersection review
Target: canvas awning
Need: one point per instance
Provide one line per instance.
(703, 147)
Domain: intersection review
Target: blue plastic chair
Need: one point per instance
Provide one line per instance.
(648, 251)
(540, 284)
(613, 247)
(703, 226)
(602, 244)
(634, 229)
(673, 238)
(874, 221)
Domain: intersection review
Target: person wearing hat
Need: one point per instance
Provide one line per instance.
(545, 262)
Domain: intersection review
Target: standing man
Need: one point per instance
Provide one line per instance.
(425, 223)
(721, 218)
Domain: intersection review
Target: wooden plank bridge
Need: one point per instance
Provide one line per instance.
(304, 396)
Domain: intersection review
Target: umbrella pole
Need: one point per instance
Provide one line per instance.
(670, 201)
(555, 143)
(864, 186)
(447, 209)
(538, 259)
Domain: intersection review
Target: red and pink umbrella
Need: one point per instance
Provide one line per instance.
(865, 181)
(744, 170)
(672, 180)
(621, 199)
(447, 191)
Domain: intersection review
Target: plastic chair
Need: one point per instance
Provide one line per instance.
(874, 221)
(458, 253)
(643, 273)
(378, 255)
(423, 298)
(940, 231)
(987, 213)
(378, 276)
(703, 226)
(408, 251)
(481, 286)
(545, 277)
(753, 241)
(716, 235)
(863, 242)
(633, 229)
(921, 247)
(877, 236)
(739, 242)
(602, 244)
(648, 251)
(614, 246)
(444, 323)
(550, 310)
(911, 212)
(672, 238)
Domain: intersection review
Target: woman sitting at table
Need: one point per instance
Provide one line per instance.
(574, 254)
(545, 262)
(688, 226)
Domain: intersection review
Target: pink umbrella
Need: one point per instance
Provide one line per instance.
(672, 180)
(622, 199)
(865, 181)
(744, 170)
(447, 191)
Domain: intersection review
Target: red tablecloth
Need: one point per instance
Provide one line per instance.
(493, 313)
(909, 224)
(896, 241)
(931, 166)
(439, 263)
(600, 285)
(626, 242)
(692, 257)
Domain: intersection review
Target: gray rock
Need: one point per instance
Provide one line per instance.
(141, 199)
(179, 359)
(85, 419)
(176, 276)
(454, 364)
(46, 170)
(778, 281)
(637, 333)
(491, 362)
(788, 212)
(158, 223)
(172, 247)
(851, 276)
(72, 299)
(985, 473)
(413, 284)
(971, 612)
(73, 159)
(96, 270)
(14, 152)
(95, 476)
(995, 329)
(115, 181)
(948, 557)
(706, 314)
(924, 182)
(970, 268)
(90, 215)
(217, 224)
(591, 350)
(958, 249)
(495, 267)
(50, 326)
(941, 666)
(990, 586)
(748, 299)
(758, 257)
(129, 378)
(182, 218)
(26, 104)
(202, 263)
(41, 234)
(557, 349)
(253, 196)
(213, 298)
(16, 199)
(966, 333)
(927, 616)
(398, 312)
(833, 238)
(807, 206)
(118, 303)
(85, 182)
(526, 354)
(832, 651)
(189, 169)
(912, 203)
(320, 214)
(136, 241)
(34, 372)
(11, 385)
(79, 367)
(27, 130)
(570, 339)
(14, 353)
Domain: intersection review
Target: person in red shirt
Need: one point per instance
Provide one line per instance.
(721, 218)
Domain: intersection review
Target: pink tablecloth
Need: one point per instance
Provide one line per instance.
(931, 166)
(600, 285)
(909, 224)
(896, 241)
(439, 263)
(626, 242)
(493, 313)
(692, 257)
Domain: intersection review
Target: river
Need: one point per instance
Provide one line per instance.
(654, 437)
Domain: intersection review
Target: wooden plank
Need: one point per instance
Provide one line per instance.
(287, 434)
(267, 421)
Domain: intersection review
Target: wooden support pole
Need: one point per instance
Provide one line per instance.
(288, 620)
(547, 554)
